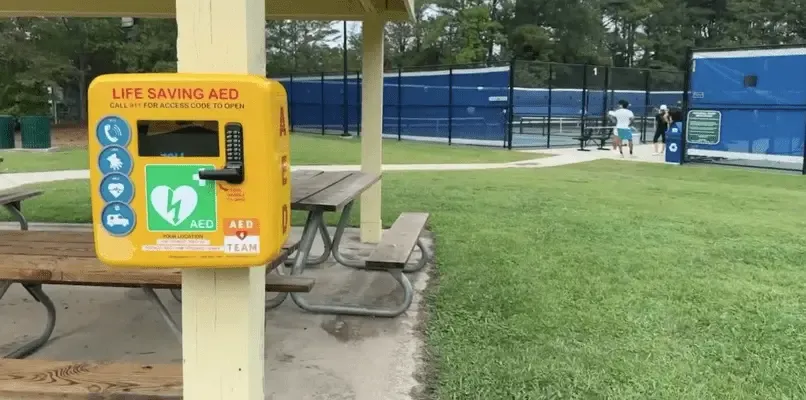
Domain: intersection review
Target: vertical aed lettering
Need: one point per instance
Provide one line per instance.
(283, 131)
(285, 218)
(284, 167)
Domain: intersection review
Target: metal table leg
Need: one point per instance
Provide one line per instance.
(177, 294)
(169, 319)
(4, 285)
(328, 244)
(424, 257)
(34, 345)
(343, 221)
(15, 208)
(312, 224)
(315, 218)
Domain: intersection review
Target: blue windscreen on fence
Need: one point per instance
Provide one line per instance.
(465, 104)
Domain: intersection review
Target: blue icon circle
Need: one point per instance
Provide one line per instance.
(113, 130)
(118, 218)
(115, 159)
(117, 187)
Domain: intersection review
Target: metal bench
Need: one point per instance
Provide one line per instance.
(68, 380)
(71, 261)
(12, 200)
(591, 134)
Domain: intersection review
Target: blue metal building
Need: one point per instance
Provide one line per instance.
(747, 107)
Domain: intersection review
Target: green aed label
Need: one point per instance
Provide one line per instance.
(178, 201)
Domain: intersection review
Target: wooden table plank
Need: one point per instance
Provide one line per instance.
(16, 194)
(91, 272)
(68, 258)
(304, 174)
(46, 236)
(63, 249)
(310, 186)
(67, 380)
(336, 196)
(398, 242)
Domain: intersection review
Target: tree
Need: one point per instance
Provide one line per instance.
(299, 46)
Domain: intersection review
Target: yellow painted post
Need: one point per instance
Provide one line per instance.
(223, 317)
(372, 124)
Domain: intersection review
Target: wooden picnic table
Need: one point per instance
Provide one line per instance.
(11, 200)
(35, 258)
(318, 192)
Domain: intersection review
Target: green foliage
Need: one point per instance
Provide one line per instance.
(68, 53)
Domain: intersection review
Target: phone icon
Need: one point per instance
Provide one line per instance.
(108, 134)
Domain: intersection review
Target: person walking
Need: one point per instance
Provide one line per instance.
(624, 119)
(662, 122)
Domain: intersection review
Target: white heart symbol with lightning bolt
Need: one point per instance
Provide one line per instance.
(174, 205)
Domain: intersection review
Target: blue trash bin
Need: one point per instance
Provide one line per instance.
(674, 144)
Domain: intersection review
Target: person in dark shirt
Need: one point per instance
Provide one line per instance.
(662, 121)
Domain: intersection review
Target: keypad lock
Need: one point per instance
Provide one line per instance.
(233, 171)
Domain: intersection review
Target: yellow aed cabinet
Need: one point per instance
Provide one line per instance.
(188, 170)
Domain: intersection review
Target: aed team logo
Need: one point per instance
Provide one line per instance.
(178, 201)
(241, 235)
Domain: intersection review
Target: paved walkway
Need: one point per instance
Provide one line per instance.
(560, 156)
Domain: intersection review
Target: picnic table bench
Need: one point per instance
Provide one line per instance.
(36, 258)
(598, 134)
(11, 200)
(318, 192)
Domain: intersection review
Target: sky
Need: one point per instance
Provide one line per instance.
(354, 26)
(336, 40)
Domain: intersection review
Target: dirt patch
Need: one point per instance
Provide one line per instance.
(72, 135)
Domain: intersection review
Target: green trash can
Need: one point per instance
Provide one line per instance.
(7, 123)
(35, 131)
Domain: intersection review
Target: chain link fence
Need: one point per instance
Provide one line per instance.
(519, 104)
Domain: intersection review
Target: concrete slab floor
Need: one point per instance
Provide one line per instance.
(308, 356)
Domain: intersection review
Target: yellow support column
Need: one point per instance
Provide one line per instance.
(372, 124)
(223, 316)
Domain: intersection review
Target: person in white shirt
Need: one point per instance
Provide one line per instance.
(624, 118)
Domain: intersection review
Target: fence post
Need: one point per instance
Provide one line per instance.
(647, 80)
(399, 102)
(358, 97)
(803, 143)
(510, 104)
(606, 95)
(551, 90)
(290, 102)
(584, 110)
(345, 98)
(450, 105)
(322, 90)
(686, 85)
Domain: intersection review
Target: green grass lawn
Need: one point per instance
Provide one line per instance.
(306, 149)
(35, 161)
(694, 289)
